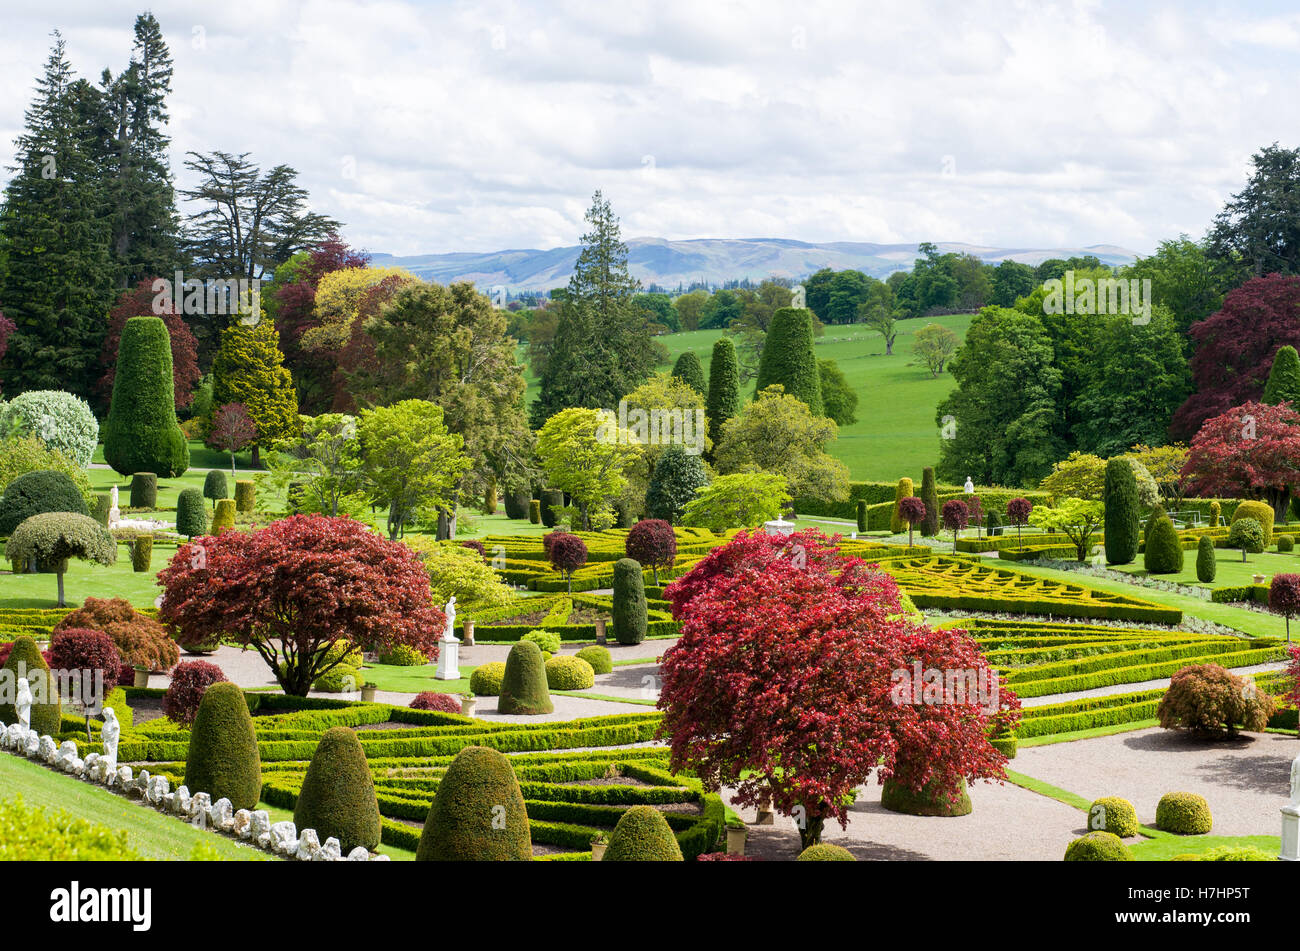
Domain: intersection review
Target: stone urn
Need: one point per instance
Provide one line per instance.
(467, 705)
(736, 836)
(1258, 579)
(468, 637)
(368, 692)
(601, 637)
(598, 847)
(141, 677)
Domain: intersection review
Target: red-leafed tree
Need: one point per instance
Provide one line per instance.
(567, 553)
(1284, 598)
(357, 360)
(232, 430)
(190, 681)
(1251, 451)
(1018, 510)
(294, 589)
(1293, 674)
(955, 516)
(976, 510)
(1235, 346)
(652, 542)
(783, 684)
(912, 511)
(138, 301)
(87, 654)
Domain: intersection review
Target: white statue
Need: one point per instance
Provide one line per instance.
(450, 611)
(969, 486)
(23, 704)
(109, 735)
(114, 513)
(1295, 782)
(449, 647)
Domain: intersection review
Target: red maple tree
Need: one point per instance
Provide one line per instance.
(232, 430)
(135, 302)
(566, 553)
(299, 586)
(653, 543)
(1251, 451)
(912, 511)
(1284, 598)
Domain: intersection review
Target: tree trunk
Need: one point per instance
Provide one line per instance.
(62, 603)
(394, 521)
(810, 833)
(257, 456)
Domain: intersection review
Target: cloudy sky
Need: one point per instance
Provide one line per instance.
(443, 126)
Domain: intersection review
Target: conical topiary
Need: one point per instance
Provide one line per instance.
(690, 371)
(223, 759)
(1164, 550)
(788, 358)
(642, 835)
(724, 387)
(1122, 522)
(338, 793)
(224, 516)
(215, 486)
(25, 660)
(1206, 564)
(930, 496)
(477, 813)
(191, 513)
(1283, 384)
(523, 688)
(862, 515)
(630, 608)
(904, 490)
(141, 433)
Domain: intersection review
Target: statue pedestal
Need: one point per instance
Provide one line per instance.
(1290, 834)
(448, 659)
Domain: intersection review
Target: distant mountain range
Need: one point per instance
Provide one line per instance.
(712, 261)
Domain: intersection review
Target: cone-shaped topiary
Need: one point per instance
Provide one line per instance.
(1283, 384)
(1122, 523)
(1164, 550)
(215, 486)
(630, 619)
(478, 813)
(223, 758)
(824, 852)
(788, 358)
(642, 835)
(724, 387)
(930, 801)
(34, 493)
(690, 371)
(144, 490)
(1113, 814)
(1098, 847)
(1206, 564)
(523, 687)
(191, 513)
(1261, 512)
(862, 515)
(338, 793)
(224, 517)
(141, 434)
(904, 490)
(141, 552)
(25, 660)
(245, 494)
(1215, 511)
(930, 496)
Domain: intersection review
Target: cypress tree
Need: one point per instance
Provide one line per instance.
(141, 434)
(249, 369)
(1164, 551)
(690, 371)
(930, 496)
(1206, 564)
(1122, 522)
(191, 513)
(1284, 378)
(788, 358)
(724, 387)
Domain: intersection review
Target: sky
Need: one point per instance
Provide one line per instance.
(480, 126)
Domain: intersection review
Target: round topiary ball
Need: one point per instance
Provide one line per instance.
(930, 801)
(338, 793)
(1184, 813)
(599, 658)
(523, 687)
(1098, 847)
(642, 835)
(223, 758)
(1112, 814)
(35, 493)
(478, 813)
(1285, 543)
(25, 660)
(485, 679)
(823, 852)
(569, 673)
(215, 486)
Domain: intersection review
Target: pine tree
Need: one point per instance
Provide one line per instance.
(788, 358)
(1122, 522)
(930, 496)
(249, 369)
(689, 370)
(1284, 378)
(724, 387)
(58, 282)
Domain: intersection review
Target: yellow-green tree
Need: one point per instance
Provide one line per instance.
(586, 454)
(249, 369)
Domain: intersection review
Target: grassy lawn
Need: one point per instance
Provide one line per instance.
(152, 834)
(1229, 568)
(1165, 846)
(201, 457)
(415, 679)
(85, 579)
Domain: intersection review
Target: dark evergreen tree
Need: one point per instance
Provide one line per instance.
(677, 474)
(788, 358)
(724, 387)
(689, 370)
(930, 496)
(839, 401)
(1284, 378)
(1123, 524)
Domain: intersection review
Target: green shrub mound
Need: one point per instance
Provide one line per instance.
(548, 642)
(1247, 535)
(141, 552)
(599, 657)
(1164, 550)
(144, 490)
(223, 758)
(523, 686)
(342, 678)
(338, 793)
(35, 835)
(191, 513)
(1184, 813)
(45, 717)
(569, 673)
(1006, 744)
(478, 813)
(35, 493)
(1098, 847)
(1112, 814)
(224, 516)
(630, 617)
(1228, 853)
(824, 852)
(403, 655)
(1206, 565)
(642, 835)
(141, 433)
(1285, 543)
(1261, 512)
(485, 679)
(215, 486)
(930, 801)
(245, 496)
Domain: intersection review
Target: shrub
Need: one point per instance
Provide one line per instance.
(652, 542)
(1209, 700)
(224, 516)
(677, 476)
(902, 491)
(1112, 814)
(516, 503)
(32, 835)
(191, 514)
(569, 673)
(630, 608)
(432, 700)
(548, 642)
(142, 640)
(1206, 564)
(1098, 847)
(36, 493)
(1230, 853)
(1121, 526)
(100, 508)
(473, 544)
(788, 358)
(485, 679)
(141, 433)
(144, 490)
(403, 655)
(223, 758)
(1184, 813)
(45, 716)
(52, 539)
(338, 793)
(85, 651)
(61, 421)
(932, 800)
(1246, 534)
(343, 678)
(1216, 511)
(1285, 543)
(1164, 551)
(552, 501)
(215, 486)
(566, 553)
(141, 552)
(930, 496)
(599, 658)
(1261, 512)
(535, 511)
(862, 515)
(190, 681)
(523, 686)
(245, 496)
(824, 852)
(466, 821)
(642, 835)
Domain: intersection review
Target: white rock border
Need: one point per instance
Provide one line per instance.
(252, 828)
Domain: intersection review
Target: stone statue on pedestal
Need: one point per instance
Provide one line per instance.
(109, 735)
(23, 704)
(1295, 782)
(450, 611)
